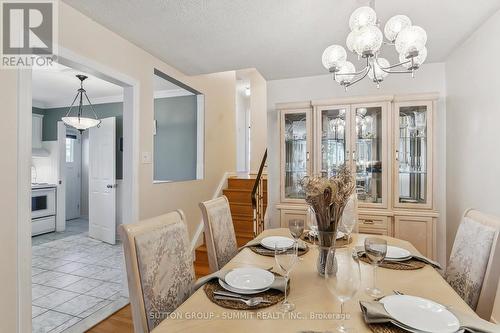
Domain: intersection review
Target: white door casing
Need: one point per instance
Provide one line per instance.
(102, 181)
(73, 175)
(61, 178)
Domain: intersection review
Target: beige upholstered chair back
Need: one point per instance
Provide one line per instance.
(474, 266)
(160, 269)
(220, 238)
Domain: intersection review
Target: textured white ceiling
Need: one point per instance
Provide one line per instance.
(281, 38)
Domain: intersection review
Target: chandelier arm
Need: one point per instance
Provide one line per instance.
(91, 106)
(367, 69)
(359, 72)
(72, 104)
(355, 73)
(386, 69)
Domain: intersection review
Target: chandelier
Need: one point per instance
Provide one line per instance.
(78, 121)
(366, 40)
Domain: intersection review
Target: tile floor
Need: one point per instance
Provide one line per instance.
(74, 278)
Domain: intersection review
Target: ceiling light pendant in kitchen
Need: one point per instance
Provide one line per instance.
(366, 40)
(79, 121)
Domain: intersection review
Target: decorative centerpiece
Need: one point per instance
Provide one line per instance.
(327, 198)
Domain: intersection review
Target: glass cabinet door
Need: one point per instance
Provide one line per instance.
(369, 140)
(334, 131)
(412, 154)
(295, 127)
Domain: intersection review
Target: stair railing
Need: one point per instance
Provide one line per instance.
(258, 199)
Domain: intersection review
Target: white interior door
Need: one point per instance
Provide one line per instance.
(102, 181)
(73, 159)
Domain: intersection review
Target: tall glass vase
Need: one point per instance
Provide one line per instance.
(326, 240)
(327, 234)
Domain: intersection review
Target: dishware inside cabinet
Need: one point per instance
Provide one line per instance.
(368, 155)
(333, 141)
(412, 154)
(296, 154)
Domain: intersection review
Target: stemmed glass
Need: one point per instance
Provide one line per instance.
(375, 250)
(347, 226)
(296, 228)
(286, 260)
(343, 280)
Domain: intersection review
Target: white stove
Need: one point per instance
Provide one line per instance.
(43, 208)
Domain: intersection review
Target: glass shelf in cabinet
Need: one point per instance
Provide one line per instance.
(295, 140)
(412, 172)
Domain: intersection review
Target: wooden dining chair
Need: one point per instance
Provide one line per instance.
(160, 268)
(474, 266)
(220, 238)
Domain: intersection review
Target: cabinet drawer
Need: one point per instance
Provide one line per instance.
(373, 222)
(372, 231)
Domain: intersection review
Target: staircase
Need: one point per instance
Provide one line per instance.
(238, 192)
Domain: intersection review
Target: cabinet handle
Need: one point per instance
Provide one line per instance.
(307, 156)
(354, 158)
(368, 222)
(397, 155)
(347, 155)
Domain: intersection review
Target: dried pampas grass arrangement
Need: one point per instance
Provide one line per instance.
(328, 197)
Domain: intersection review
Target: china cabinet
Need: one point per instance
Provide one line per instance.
(387, 141)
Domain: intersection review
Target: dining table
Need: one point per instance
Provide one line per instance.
(317, 310)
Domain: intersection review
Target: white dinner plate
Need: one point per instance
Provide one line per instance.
(421, 314)
(395, 253)
(249, 278)
(240, 291)
(280, 242)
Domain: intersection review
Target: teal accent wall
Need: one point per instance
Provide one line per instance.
(175, 144)
(52, 116)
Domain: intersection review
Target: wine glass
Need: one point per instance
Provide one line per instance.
(375, 249)
(296, 228)
(342, 278)
(286, 260)
(347, 226)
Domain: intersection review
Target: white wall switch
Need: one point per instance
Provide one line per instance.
(146, 157)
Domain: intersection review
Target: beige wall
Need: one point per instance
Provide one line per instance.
(258, 119)
(473, 103)
(83, 36)
(113, 51)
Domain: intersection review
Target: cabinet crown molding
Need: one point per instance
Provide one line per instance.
(430, 96)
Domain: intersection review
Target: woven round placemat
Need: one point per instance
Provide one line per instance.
(338, 243)
(407, 265)
(272, 295)
(270, 253)
(385, 328)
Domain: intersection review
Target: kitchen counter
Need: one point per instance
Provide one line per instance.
(36, 186)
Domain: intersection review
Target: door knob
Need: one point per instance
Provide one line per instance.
(111, 185)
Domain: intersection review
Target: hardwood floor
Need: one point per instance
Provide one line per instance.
(120, 321)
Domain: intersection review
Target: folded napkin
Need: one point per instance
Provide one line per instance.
(278, 284)
(360, 250)
(374, 313)
(256, 242)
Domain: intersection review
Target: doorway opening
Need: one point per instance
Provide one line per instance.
(78, 275)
